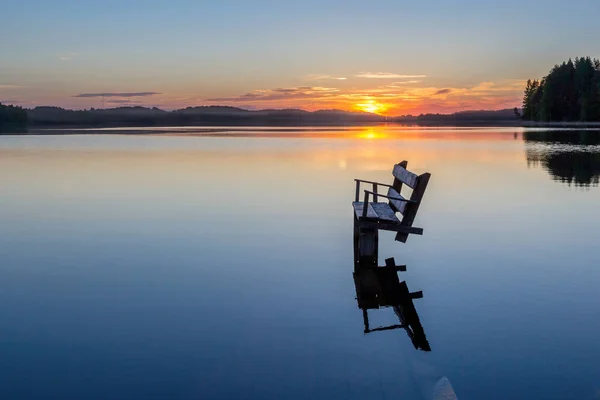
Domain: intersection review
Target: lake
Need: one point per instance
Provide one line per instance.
(217, 264)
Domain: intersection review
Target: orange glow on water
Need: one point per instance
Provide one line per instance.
(372, 133)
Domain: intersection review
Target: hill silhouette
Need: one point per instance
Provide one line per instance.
(41, 117)
(200, 116)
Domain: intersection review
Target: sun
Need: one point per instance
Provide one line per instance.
(372, 106)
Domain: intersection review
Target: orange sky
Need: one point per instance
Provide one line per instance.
(387, 94)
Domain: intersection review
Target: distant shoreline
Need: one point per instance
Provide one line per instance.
(207, 129)
(136, 129)
(55, 120)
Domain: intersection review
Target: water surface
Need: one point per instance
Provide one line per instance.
(218, 265)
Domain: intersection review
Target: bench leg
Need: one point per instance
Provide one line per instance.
(366, 321)
(366, 244)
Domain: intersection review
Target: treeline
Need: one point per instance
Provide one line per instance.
(475, 117)
(56, 117)
(12, 117)
(193, 116)
(570, 92)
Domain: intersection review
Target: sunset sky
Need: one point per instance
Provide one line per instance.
(389, 57)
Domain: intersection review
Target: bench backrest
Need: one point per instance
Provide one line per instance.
(418, 184)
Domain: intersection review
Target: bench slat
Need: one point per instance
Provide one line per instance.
(385, 212)
(411, 212)
(405, 176)
(388, 226)
(400, 206)
(358, 210)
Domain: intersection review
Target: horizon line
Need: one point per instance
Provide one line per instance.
(259, 110)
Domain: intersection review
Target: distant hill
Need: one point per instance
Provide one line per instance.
(46, 117)
(203, 115)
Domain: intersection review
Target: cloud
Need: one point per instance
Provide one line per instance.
(6, 87)
(123, 101)
(68, 57)
(399, 84)
(325, 77)
(13, 102)
(405, 82)
(132, 94)
(398, 98)
(387, 75)
(301, 92)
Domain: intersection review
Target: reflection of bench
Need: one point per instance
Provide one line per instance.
(373, 214)
(378, 287)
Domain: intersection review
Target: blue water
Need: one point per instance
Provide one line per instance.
(220, 267)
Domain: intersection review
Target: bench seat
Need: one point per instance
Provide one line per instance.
(382, 216)
(376, 211)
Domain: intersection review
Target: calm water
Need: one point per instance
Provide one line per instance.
(219, 266)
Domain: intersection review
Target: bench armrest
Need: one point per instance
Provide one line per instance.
(375, 184)
(389, 197)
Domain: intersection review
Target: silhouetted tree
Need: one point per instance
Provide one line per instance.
(12, 117)
(570, 92)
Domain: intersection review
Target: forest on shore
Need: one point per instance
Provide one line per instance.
(569, 93)
(13, 118)
(56, 117)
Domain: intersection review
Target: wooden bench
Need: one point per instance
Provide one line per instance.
(373, 214)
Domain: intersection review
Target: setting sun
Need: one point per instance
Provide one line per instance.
(372, 106)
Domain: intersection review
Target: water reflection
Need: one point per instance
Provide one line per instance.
(379, 287)
(571, 157)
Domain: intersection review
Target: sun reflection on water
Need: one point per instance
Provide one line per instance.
(372, 133)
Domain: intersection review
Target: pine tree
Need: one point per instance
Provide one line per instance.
(570, 92)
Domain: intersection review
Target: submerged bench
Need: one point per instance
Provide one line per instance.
(373, 214)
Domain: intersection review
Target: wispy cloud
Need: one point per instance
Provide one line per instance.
(326, 77)
(405, 82)
(128, 94)
(387, 75)
(301, 92)
(123, 101)
(7, 87)
(68, 57)
(401, 84)
(400, 97)
(13, 102)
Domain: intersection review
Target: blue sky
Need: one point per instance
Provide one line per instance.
(192, 52)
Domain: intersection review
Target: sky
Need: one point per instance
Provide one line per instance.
(389, 57)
